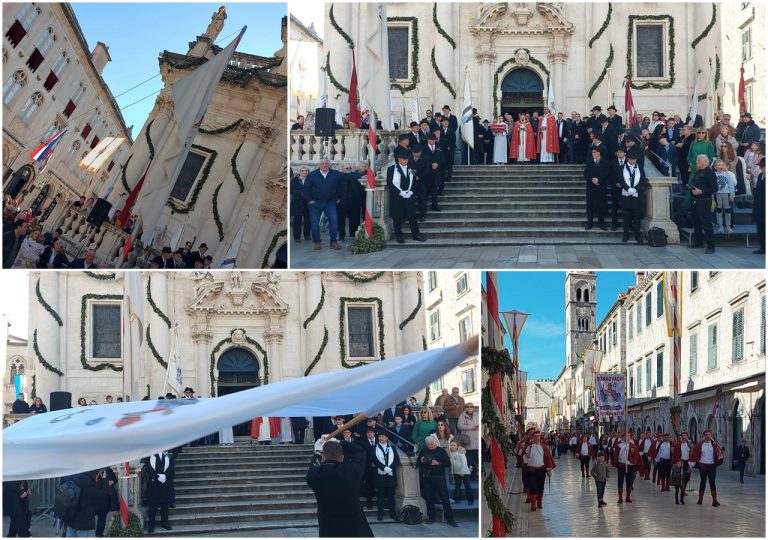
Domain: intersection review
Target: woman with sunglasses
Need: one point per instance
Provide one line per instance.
(701, 146)
(424, 426)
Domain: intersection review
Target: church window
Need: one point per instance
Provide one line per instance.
(614, 332)
(631, 324)
(361, 331)
(748, 96)
(437, 385)
(434, 325)
(578, 295)
(106, 331)
(398, 41)
(55, 126)
(746, 44)
(189, 174)
(465, 329)
(650, 50)
(462, 285)
(468, 381)
(694, 281)
(659, 369)
(639, 378)
(639, 315)
(11, 88)
(693, 353)
(30, 106)
(24, 19)
(586, 295)
(738, 336)
(43, 43)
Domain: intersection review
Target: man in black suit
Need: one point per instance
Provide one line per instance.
(402, 200)
(633, 147)
(415, 136)
(351, 194)
(12, 240)
(617, 170)
(436, 122)
(298, 426)
(563, 127)
(448, 138)
(192, 256)
(595, 121)
(87, 262)
(487, 157)
(683, 145)
(299, 124)
(579, 138)
(609, 138)
(453, 122)
(424, 131)
(368, 443)
(335, 475)
(435, 155)
(703, 184)
(615, 120)
(53, 256)
(422, 169)
(166, 259)
(633, 184)
(401, 435)
(598, 175)
(299, 208)
(50, 237)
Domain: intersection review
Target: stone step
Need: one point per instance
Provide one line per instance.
(240, 479)
(513, 167)
(202, 489)
(240, 450)
(540, 191)
(201, 510)
(503, 218)
(234, 528)
(256, 513)
(241, 471)
(494, 205)
(255, 459)
(206, 495)
(529, 226)
(237, 466)
(509, 196)
(436, 239)
(516, 183)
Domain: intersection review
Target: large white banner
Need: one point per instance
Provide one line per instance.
(611, 395)
(70, 441)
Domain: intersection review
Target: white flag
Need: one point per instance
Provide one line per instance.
(133, 332)
(230, 259)
(173, 376)
(415, 114)
(176, 240)
(67, 442)
(592, 360)
(191, 96)
(467, 126)
(100, 154)
(324, 90)
(551, 105)
(373, 61)
(709, 109)
(694, 108)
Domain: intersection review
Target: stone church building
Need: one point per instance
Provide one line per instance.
(512, 49)
(236, 330)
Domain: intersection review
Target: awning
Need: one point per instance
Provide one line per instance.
(695, 396)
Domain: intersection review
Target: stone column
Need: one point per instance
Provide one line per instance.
(486, 57)
(596, 55)
(705, 51)
(444, 58)
(48, 334)
(273, 338)
(341, 54)
(409, 293)
(557, 61)
(161, 336)
(657, 211)
(202, 338)
(408, 486)
(313, 334)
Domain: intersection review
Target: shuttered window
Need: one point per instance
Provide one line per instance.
(693, 352)
(712, 346)
(737, 339)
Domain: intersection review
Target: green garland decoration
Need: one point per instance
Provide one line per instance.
(319, 354)
(414, 52)
(497, 507)
(671, 46)
(493, 426)
(340, 87)
(272, 246)
(235, 172)
(133, 530)
(603, 28)
(216, 216)
(342, 339)
(46, 305)
(263, 79)
(103, 276)
(226, 129)
(606, 67)
(709, 27)
(123, 180)
(512, 60)
(497, 362)
(441, 76)
(362, 244)
(34, 387)
(83, 317)
(175, 208)
(413, 314)
(439, 27)
(255, 344)
(153, 350)
(152, 304)
(360, 279)
(39, 355)
(318, 308)
(338, 28)
(149, 140)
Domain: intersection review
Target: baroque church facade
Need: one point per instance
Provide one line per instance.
(512, 49)
(236, 330)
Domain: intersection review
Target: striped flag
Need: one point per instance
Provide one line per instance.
(467, 126)
(673, 311)
(42, 153)
(742, 93)
(370, 174)
(629, 103)
(354, 108)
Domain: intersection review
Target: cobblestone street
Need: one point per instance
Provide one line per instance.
(570, 508)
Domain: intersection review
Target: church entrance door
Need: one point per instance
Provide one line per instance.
(238, 370)
(522, 91)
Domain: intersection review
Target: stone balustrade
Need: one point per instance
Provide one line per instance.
(78, 236)
(347, 145)
(658, 204)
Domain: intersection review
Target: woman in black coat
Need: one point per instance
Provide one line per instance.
(16, 506)
(38, 407)
(758, 208)
(159, 489)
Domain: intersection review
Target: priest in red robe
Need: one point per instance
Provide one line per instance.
(522, 148)
(548, 142)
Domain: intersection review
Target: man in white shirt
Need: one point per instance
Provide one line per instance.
(664, 460)
(540, 464)
(707, 456)
(681, 451)
(584, 451)
(572, 443)
(645, 448)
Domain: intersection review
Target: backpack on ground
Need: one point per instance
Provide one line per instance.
(410, 515)
(657, 237)
(66, 500)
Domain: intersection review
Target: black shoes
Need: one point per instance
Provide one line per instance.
(453, 524)
(419, 238)
(759, 252)
(399, 238)
(639, 239)
(625, 238)
(436, 209)
(603, 227)
(166, 526)
(588, 227)
(709, 250)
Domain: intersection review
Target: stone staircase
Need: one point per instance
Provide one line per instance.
(488, 205)
(246, 488)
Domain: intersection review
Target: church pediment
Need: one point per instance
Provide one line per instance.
(521, 18)
(258, 294)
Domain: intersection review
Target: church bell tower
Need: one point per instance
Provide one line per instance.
(580, 314)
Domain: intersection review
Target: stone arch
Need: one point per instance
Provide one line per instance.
(523, 86)
(693, 429)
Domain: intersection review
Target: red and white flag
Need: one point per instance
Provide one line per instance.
(371, 175)
(629, 103)
(742, 93)
(354, 107)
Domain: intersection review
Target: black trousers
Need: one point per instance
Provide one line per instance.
(616, 203)
(760, 225)
(436, 490)
(702, 222)
(631, 215)
(348, 213)
(298, 435)
(385, 498)
(472, 462)
(584, 464)
(101, 523)
(525, 477)
(458, 481)
(300, 221)
(398, 226)
(422, 193)
(19, 526)
(536, 479)
(665, 468)
(626, 474)
(707, 472)
(152, 512)
(368, 486)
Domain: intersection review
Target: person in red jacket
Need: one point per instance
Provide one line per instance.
(540, 464)
(663, 457)
(627, 461)
(681, 451)
(584, 452)
(644, 446)
(707, 456)
(652, 458)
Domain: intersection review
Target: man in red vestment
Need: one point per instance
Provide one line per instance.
(547, 142)
(530, 148)
(707, 456)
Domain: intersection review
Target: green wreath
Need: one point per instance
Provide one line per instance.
(606, 67)
(440, 75)
(41, 358)
(340, 87)
(152, 304)
(413, 314)
(603, 28)
(671, 46)
(512, 60)
(123, 180)
(235, 172)
(361, 279)
(338, 28)
(83, 318)
(271, 248)
(342, 333)
(153, 350)
(216, 216)
(318, 308)
(440, 29)
(149, 140)
(709, 27)
(414, 53)
(103, 276)
(319, 354)
(46, 305)
(226, 129)
(175, 208)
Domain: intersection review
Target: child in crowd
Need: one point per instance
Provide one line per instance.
(460, 471)
(600, 472)
(676, 479)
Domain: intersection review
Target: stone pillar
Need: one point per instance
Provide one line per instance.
(48, 334)
(273, 338)
(596, 55)
(705, 51)
(657, 211)
(230, 190)
(313, 334)
(161, 337)
(408, 486)
(202, 339)
(486, 58)
(444, 57)
(409, 294)
(557, 61)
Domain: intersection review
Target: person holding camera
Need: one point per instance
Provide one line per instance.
(433, 461)
(702, 185)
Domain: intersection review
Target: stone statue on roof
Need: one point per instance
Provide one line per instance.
(217, 23)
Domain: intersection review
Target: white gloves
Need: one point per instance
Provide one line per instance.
(631, 192)
(319, 445)
(388, 470)
(406, 194)
(161, 478)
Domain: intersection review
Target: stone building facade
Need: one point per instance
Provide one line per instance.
(236, 330)
(51, 81)
(511, 49)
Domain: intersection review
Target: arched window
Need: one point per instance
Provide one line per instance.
(74, 98)
(55, 127)
(56, 71)
(24, 19)
(15, 82)
(42, 45)
(578, 295)
(30, 106)
(586, 295)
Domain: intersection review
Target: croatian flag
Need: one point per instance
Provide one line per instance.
(44, 151)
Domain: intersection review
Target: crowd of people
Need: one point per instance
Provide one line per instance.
(25, 245)
(661, 458)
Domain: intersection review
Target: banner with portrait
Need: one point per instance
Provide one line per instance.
(611, 393)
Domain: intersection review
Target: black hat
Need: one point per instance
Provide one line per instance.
(446, 107)
(403, 137)
(611, 107)
(762, 162)
(170, 395)
(596, 149)
(622, 148)
(371, 428)
(418, 149)
(631, 139)
(203, 245)
(382, 431)
(167, 249)
(413, 124)
(438, 114)
(748, 115)
(634, 154)
(431, 136)
(402, 153)
(158, 260)
(597, 108)
(180, 251)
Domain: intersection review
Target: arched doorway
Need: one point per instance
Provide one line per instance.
(693, 430)
(522, 90)
(238, 370)
(19, 180)
(738, 427)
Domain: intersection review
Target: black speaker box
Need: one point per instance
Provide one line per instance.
(60, 401)
(325, 122)
(99, 212)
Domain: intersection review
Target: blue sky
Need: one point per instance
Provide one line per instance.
(542, 296)
(137, 33)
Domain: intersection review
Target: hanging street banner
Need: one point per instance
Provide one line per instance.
(611, 395)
